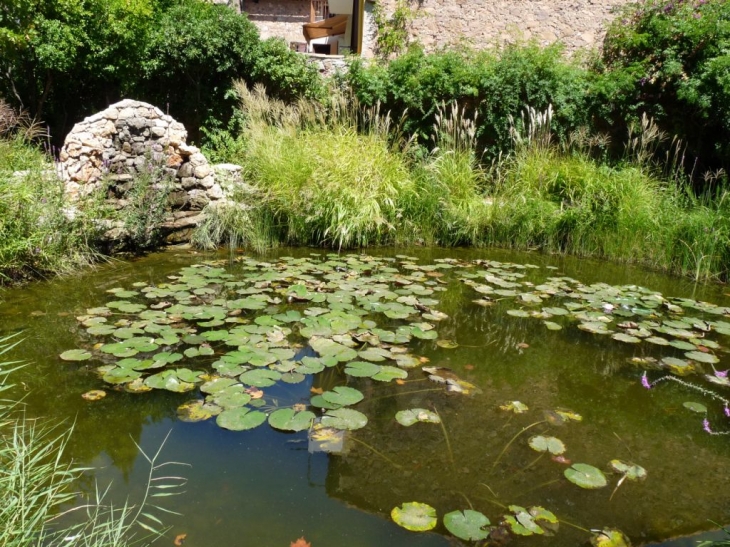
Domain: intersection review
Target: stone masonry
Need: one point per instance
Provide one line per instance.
(108, 151)
(576, 23)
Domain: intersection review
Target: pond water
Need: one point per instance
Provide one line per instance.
(265, 486)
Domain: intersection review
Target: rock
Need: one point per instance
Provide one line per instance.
(112, 148)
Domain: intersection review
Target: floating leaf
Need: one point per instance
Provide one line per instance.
(196, 411)
(94, 395)
(626, 338)
(609, 538)
(287, 419)
(344, 418)
(632, 472)
(240, 419)
(415, 516)
(547, 444)
(362, 369)
(388, 373)
(447, 344)
(343, 396)
(515, 406)
(260, 377)
(695, 407)
(75, 355)
(413, 415)
(468, 525)
(700, 357)
(585, 476)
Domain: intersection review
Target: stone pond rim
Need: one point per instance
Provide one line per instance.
(109, 151)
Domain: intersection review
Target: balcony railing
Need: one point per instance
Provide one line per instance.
(318, 10)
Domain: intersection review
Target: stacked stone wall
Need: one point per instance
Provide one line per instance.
(109, 152)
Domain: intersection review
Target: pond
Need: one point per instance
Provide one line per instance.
(338, 388)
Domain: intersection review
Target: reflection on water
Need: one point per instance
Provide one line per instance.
(263, 487)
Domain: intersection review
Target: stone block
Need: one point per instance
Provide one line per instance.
(202, 171)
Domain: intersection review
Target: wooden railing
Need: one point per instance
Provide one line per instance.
(318, 10)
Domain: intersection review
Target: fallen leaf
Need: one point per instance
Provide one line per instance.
(301, 542)
(400, 382)
(180, 539)
(254, 392)
(469, 367)
(299, 407)
(317, 390)
(522, 345)
(424, 359)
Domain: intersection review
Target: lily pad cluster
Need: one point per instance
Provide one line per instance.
(692, 333)
(471, 525)
(230, 334)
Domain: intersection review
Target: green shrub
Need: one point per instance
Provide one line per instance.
(495, 83)
(670, 59)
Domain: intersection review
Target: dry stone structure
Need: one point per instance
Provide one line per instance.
(109, 151)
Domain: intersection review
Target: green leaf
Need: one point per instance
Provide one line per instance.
(75, 355)
(344, 418)
(287, 419)
(413, 415)
(240, 419)
(343, 396)
(415, 516)
(585, 476)
(467, 525)
(547, 444)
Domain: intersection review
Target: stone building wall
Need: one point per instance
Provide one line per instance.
(278, 18)
(480, 23)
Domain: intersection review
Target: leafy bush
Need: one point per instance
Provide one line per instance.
(670, 59)
(496, 84)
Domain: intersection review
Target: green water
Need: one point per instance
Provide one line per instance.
(263, 487)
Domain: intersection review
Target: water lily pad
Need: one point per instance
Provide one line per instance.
(94, 395)
(362, 369)
(695, 407)
(609, 538)
(547, 444)
(468, 525)
(585, 476)
(196, 411)
(515, 406)
(388, 374)
(260, 377)
(447, 344)
(415, 516)
(75, 355)
(287, 419)
(240, 419)
(701, 357)
(626, 338)
(518, 313)
(632, 472)
(680, 367)
(344, 418)
(414, 415)
(343, 396)
(169, 380)
(120, 375)
(551, 325)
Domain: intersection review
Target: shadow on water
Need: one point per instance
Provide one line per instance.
(263, 487)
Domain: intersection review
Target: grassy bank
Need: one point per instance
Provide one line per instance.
(340, 177)
(38, 234)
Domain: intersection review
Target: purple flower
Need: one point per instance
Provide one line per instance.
(706, 426)
(645, 381)
(727, 411)
(721, 373)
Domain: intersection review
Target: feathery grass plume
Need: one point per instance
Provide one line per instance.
(324, 174)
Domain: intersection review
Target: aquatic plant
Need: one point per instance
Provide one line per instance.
(36, 482)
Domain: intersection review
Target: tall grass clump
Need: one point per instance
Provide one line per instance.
(324, 175)
(451, 182)
(36, 483)
(38, 232)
